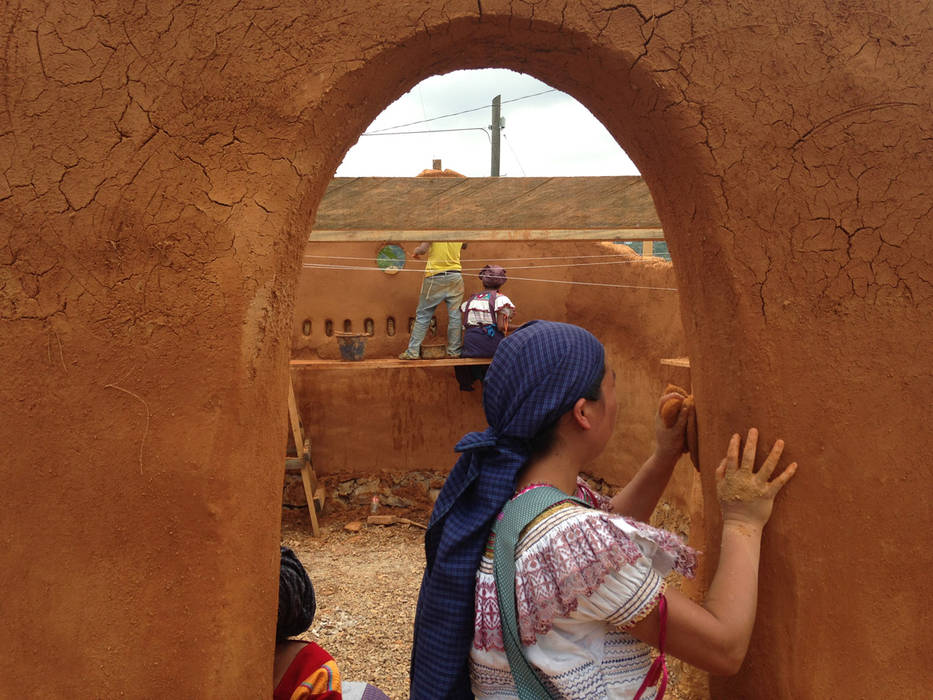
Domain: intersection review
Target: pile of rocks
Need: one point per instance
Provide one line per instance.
(409, 490)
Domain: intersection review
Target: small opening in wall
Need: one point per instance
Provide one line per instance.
(328, 328)
(433, 327)
(347, 326)
(390, 326)
(411, 323)
(306, 327)
(369, 328)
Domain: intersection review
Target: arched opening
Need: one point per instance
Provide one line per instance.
(636, 317)
(160, 169)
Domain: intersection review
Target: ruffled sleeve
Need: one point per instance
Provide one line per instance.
(625, 597)
(503, 301)
(579, 559)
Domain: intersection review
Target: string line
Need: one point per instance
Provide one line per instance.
(543, 257)
(523, 279)
(334, 266)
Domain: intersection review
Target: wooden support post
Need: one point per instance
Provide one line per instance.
(303, 448)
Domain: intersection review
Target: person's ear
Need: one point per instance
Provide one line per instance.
(579, 414)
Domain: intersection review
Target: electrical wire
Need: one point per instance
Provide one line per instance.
(455, 114)
(433, 131)
(514, 154)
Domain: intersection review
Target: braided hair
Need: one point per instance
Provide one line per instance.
(296, 597)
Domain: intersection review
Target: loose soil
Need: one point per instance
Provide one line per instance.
(367, 584)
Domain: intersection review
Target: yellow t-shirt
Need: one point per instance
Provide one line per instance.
(442, 257)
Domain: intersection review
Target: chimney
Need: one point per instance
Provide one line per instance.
(436, 164)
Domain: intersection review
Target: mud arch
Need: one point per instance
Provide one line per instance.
(159, 168)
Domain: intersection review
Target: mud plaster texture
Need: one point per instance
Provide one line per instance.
(354, 415)
(160, 167)
(391, 422)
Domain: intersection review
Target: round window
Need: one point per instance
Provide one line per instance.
(391, 258)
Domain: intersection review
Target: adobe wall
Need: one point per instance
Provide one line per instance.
(159, 168)
(355, 415)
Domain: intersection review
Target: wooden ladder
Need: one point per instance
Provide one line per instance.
(314, 491)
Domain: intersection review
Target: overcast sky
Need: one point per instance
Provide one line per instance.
(547, 135)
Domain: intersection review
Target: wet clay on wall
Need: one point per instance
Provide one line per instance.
(159, 170)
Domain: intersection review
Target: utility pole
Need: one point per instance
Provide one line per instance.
(495, 127)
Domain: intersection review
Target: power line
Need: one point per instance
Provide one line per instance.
(430, 131)
(509, 144)
(455, 114)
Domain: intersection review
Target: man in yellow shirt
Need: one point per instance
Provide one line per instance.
(442, 283)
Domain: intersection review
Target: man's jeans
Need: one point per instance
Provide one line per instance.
(443, 287)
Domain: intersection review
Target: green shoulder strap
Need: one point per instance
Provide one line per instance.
(516, 515)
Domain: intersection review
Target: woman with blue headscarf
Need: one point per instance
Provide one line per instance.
(589, 596)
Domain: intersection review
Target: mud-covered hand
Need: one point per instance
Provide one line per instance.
(747, 496)
(670, 431)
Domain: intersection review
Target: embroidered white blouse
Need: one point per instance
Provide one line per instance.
(477, 310)
(582, 577)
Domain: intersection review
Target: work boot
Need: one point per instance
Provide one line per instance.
(408, 356)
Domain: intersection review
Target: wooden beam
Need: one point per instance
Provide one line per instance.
(387, 363)
(295, 421)
(676, 361)
(303, 450)
(562, 234)
(486, 209)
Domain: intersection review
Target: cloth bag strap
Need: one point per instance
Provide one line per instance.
(516, 515)
(658, 670)
(494, 328)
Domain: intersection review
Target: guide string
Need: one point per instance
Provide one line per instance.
(358, 268)
(334, 266)
(544, 257)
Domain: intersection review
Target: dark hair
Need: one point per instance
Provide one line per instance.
(544, 439)
(296, 597)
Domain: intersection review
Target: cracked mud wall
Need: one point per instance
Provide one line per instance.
(159, 167)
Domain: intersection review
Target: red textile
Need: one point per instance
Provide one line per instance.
(308, 660)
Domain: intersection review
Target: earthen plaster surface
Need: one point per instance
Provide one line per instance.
(353, 415)
(160, 166)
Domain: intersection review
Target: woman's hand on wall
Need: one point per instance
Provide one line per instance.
(670, 440)
(747, 496)
(714, 636)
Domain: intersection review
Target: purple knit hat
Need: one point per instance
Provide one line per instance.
(493, 276)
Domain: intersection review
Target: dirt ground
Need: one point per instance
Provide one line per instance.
(366, 585)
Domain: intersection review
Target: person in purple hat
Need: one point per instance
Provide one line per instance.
(486, 316)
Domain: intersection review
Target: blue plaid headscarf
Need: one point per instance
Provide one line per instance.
(536, 376)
